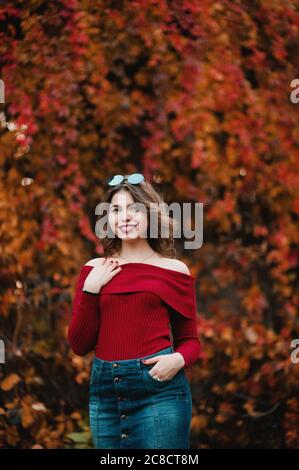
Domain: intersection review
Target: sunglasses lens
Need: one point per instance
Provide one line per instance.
(117, 179)
(136, 178)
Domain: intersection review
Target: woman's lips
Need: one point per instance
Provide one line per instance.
(128, 228)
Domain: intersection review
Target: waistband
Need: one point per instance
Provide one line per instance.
(128, 362)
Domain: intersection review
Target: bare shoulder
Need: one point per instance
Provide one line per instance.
(94, 262)
(175, 264)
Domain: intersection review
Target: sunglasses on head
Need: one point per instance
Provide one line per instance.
(135, 178)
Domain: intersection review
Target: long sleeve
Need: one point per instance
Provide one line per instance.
(83, 328)
(185, 337)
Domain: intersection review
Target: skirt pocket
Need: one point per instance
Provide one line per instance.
(178, 378)
(95, 379)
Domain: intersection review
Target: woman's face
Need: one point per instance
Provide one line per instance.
(127, 218)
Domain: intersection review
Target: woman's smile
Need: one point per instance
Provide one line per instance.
(128, 228)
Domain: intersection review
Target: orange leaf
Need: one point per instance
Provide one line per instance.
(10, 381)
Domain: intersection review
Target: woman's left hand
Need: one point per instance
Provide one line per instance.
(167, 365)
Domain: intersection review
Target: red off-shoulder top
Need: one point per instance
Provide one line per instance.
(131, 316)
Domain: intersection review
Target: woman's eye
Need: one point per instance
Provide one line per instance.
(134, 208)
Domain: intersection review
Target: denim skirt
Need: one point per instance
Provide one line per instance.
(129, 409)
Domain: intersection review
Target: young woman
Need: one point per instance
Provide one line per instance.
(139, 395)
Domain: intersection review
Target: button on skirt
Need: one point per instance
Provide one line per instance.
(129, 409)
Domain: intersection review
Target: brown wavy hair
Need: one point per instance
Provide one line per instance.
(144, 193)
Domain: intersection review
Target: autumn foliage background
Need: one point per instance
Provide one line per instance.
(197, 96)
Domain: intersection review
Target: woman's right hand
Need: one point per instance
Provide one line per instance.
(100, 275)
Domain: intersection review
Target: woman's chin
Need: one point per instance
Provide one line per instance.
(129, 235)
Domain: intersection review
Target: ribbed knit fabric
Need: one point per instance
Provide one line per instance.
(131, 315)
